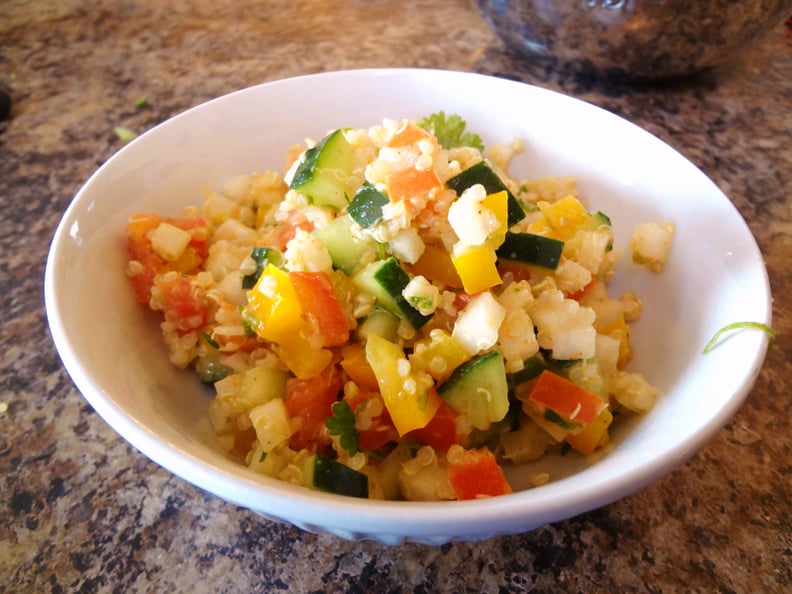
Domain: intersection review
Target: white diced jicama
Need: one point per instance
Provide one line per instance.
(407, 245)
(564, 326)
(632, 391)
(271, 422)
(169, 241)
(477, 326)
(650, 245)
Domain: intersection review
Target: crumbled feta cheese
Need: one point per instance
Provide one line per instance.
(469, 219)
(564, 326)
(407, 245)
(422, 295)
(477, 326)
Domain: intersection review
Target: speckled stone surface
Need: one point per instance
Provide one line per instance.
(84, 512)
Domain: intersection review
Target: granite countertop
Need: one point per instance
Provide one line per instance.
(84, 511)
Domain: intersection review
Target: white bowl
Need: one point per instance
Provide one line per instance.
(113, 351)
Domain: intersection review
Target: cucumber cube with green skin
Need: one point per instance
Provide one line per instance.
(366, 207)
(531, 249)
(482, 173)
(479, 390)
(262, 255)
(329, 475)
(531, 369)
(323, 172)
(385, 280)
(345, 251)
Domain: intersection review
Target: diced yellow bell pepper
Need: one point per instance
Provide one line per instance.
(476, 266)
(303, 360)
(498, 204)
(438, 354)
(565, 216)
(593, 435)
(435, 265)
(272, 306)
(409, 396)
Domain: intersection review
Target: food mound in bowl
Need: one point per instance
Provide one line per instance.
(396, 318)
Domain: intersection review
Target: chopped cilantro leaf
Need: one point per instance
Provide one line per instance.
(450, 131)
(342, 424)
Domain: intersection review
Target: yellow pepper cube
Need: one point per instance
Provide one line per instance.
(498, 204)
(565, 216)
(303, 359)
(438, 355)
(410, 399)
(593, 435)
(476, 266)
(273, 307)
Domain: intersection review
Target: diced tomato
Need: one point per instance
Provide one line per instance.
(570, 401)
(461, 299)
(285, 231)
(182, 303)
(441, 431)
(476, 474)
(519, 272)
(141, 251)
(309, 402)
(321, 307)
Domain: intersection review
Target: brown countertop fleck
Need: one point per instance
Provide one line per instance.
(83, 511)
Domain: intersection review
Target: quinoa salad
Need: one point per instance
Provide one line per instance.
(392, 316)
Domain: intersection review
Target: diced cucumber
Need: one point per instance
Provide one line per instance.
(595, 221)
(482, 173)
(261, 384)
(380, 323)
(329, 475)
(479, 390)
(210, 369)
(531, 249)
(531, 369)
(385, 280)
(344, 249)
(366, 207)
(322, 174)
(262, 255)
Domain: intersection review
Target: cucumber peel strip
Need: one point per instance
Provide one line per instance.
(716, 339)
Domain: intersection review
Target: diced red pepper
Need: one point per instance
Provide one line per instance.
(567, 399)
(441, 431)
(477, 474)
(309, 403)
(321, 307)
(381, 430)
